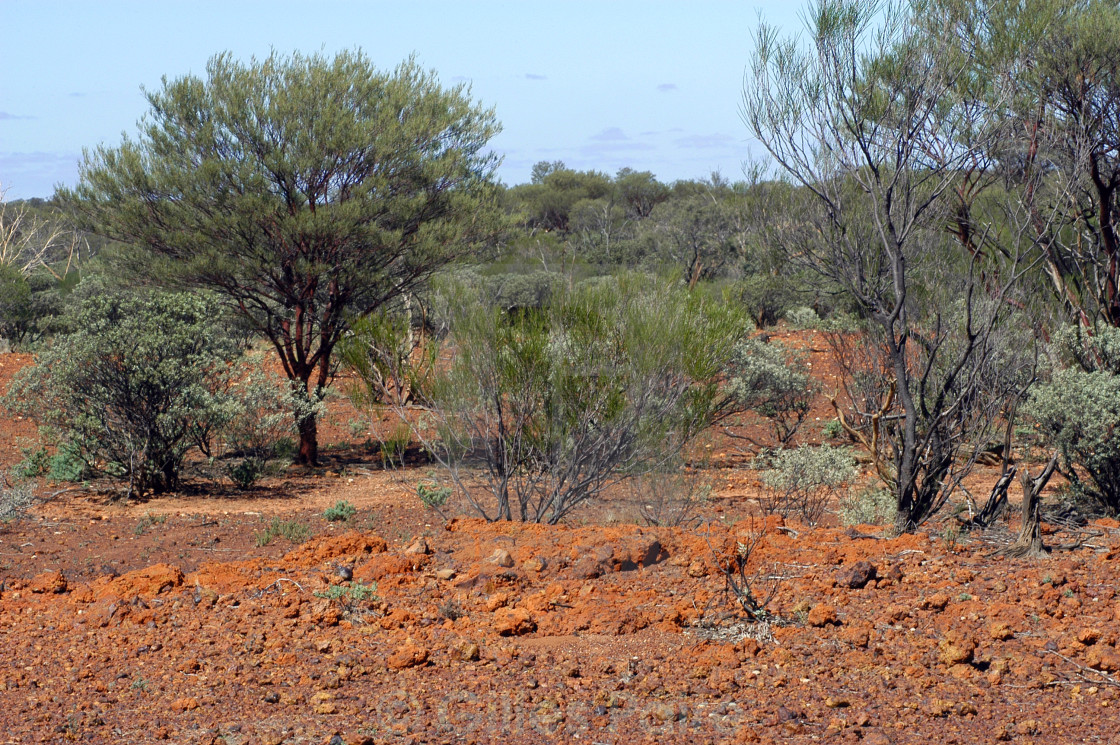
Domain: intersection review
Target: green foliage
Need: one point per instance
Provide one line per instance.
(130, 389)
(1078, 413)
(610, 380)
(432, 495)
(68, 464)
(255, 419)
(36, 462)
(803, 317)
(15, 303)
(341, 512)
(871, 506)
(293, 530)
(354, 592)
(310, 191)
(804, 480)
(832, 429)
(773, 382)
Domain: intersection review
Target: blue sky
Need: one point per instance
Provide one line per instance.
(653, 85)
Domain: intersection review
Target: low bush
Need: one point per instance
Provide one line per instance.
(340, 513)
(804, 480)
(16, 495)
(608, 381)
(1079, 414)
(774, 382)
(293, 530)
(872, 506)
(131, 387)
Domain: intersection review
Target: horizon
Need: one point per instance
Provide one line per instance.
(653, 87)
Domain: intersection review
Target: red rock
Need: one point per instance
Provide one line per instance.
(857, 575)
(146, 582)
(513, 622)
(180, 705)
(409, 655)
(823, 615)
(48, 582)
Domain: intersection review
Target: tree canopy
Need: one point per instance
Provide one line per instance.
(307, 191)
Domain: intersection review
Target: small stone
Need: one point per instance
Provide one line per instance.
(937, 601)
(697, 569)
(858, 575)
(184, 704)
(48, 582)
(272, 697)
(409, 655)
(957, 652)
(419, 548)
(445, 574)
(837, 703)
(534, 564)
(469, 652)
(1000, 631)
(823, 615)
(502, 558)
(513, 622)
(345, 573)
(323, 645)
(1089, 637)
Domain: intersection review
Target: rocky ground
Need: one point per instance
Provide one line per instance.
(167, 622)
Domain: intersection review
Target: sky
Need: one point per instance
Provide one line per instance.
(653, 85)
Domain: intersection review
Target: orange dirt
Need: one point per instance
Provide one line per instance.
(165, 622)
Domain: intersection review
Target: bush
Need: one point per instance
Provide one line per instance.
(1078, 413)
(609, 381)
(16, 495)
(803, 317)
(340, 513)
(872, 506)
(294, 531)
(132, 387)
(773, 382)
(803, 481)
(255, 420)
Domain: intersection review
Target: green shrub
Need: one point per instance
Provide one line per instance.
(341, 512)
(36, 462)
(293, 530)
(67, 464)
(256, 422)
(433, 496)
(15, 303)
(803, 317)
(1079, 414)
(774, 382)
(355, 592)
(804, 480)
(872, 506)
(133, 385)
(610, 380)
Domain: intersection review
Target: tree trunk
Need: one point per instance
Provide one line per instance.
(996, 505)
(309, 441)
(1029, 543)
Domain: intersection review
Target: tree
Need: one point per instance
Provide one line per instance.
(305, 191)
(882, 123)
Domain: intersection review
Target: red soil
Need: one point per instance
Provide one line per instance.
(164, 621)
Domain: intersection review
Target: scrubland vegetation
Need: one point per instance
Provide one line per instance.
(934, 206)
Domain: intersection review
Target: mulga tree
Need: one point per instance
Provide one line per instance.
(877, 121)
(306, 191)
